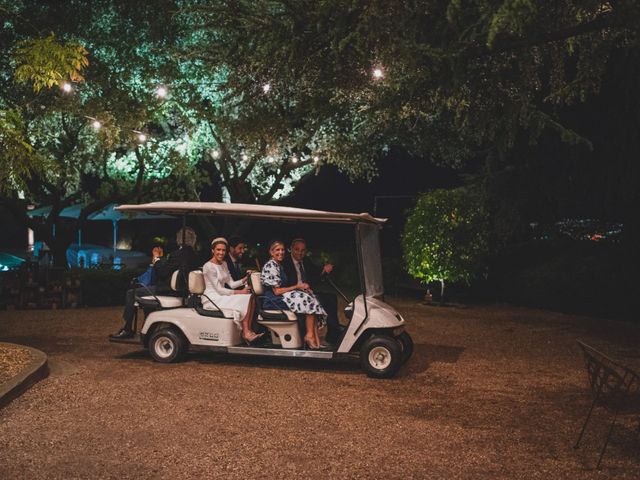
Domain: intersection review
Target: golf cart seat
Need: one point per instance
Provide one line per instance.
(196, 287)
(283, 324)
(162, 301)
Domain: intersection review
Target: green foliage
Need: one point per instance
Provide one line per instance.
(446, 236)
(103, 287)
(462, 80)
(46, 62)
(18, 159)
(511, 18)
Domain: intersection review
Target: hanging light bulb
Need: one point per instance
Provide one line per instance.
(244, 157)
(142, 137)
(294, 159)
(270, 159)
(161, 92)
(66, 87)
(378, 73)
(266, 88)
(215, 154)
(316, 159)
(96, 124)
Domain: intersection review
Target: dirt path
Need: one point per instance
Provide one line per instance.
(491, 392)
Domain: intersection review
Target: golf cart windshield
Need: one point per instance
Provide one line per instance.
(370, 257)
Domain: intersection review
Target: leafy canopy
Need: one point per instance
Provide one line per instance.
(46, 62)
(455, 80)
(446, 236)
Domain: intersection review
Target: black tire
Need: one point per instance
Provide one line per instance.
(406, 342)
(166, 345)
(381, 356)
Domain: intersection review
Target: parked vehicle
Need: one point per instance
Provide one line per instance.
(375, 333)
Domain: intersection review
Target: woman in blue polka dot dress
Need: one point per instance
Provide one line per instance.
(297, 298)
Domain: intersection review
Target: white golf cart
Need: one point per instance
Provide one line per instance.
(375, 333)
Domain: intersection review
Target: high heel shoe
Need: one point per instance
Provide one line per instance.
(310, 344)
(252, 337)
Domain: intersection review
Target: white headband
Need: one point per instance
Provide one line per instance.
(219, 240)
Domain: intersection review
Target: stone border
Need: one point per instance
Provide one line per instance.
(37, 369)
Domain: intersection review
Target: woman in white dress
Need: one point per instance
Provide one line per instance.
(216, 275)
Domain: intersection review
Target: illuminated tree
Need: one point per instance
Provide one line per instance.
(448, 80)
(446, 237)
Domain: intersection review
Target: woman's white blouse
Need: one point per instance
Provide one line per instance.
(216, 276)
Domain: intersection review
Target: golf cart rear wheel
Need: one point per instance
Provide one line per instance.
(166, 346)
(381, 356)
(407, 345)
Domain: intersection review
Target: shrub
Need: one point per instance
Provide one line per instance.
(446, 236)
(103, 287)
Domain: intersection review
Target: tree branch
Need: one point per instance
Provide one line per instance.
(275, 186)
(602, 21)
(140, 176)
(224, 168)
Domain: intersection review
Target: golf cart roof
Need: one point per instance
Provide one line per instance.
(251, 211)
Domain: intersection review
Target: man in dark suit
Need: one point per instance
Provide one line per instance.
(184, 259)
(237, 247)
(298, 268)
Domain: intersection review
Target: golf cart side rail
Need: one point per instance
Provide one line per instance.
(251, 211)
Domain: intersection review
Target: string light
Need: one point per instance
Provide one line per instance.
(162, 92)
(378, 73)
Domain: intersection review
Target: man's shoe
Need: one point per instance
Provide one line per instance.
(124, 333)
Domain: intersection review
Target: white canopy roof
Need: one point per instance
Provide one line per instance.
(252, 211)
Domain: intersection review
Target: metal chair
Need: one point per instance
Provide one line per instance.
(614, 387)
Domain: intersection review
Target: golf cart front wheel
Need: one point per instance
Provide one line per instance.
(381, 356)
(407, 345)
(166, 346)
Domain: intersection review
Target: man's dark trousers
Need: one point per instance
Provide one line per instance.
(330, 304)
(129, 304)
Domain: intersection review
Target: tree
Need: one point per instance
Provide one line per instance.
(446, 237)
(473, 85)
(447, 80)
(77, 145)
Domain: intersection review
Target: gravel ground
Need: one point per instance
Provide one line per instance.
(491, 392)
(13, 359)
